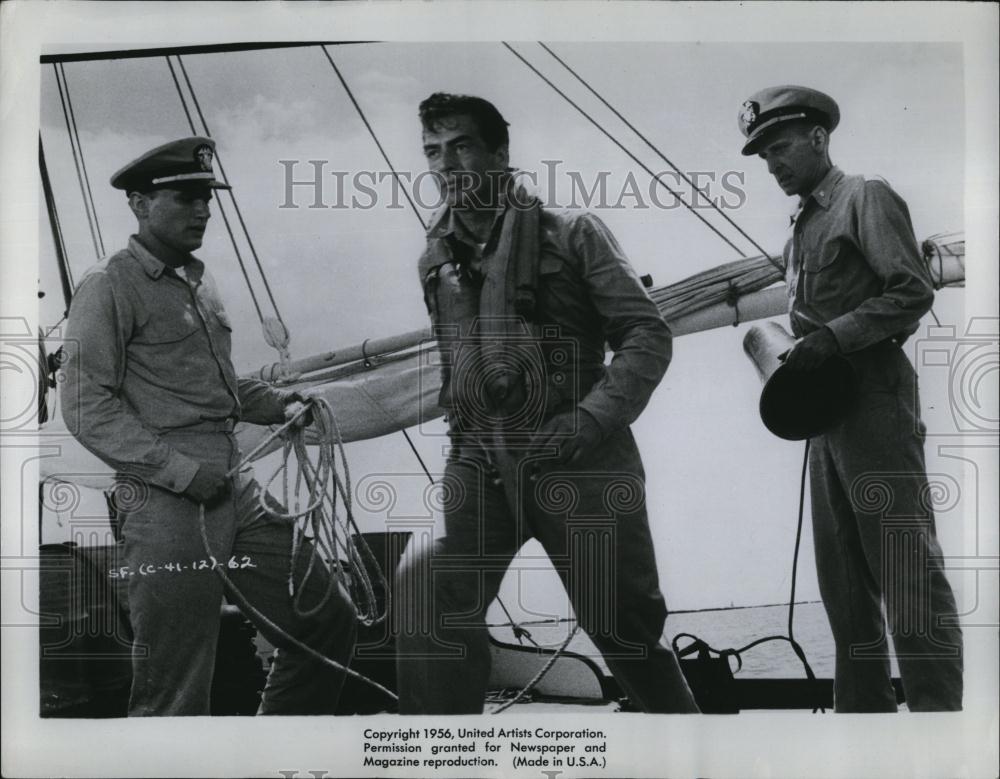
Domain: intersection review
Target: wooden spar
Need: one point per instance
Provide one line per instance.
(764, 303)
(358, 353)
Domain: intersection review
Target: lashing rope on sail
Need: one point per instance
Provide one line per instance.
(944, 258)
(338, 547)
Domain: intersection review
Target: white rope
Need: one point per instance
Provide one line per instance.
(319, 515)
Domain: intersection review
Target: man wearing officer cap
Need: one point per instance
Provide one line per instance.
(857, 287)
(150, 380)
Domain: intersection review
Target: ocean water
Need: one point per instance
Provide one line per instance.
(729, 629)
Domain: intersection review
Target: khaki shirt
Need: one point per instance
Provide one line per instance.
(148, 353)
(590, 295)
(853, 264)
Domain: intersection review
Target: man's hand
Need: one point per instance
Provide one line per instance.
(209, 484)
(575, 434)
(811, 351)
(295, 402)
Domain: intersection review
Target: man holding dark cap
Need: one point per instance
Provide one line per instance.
(150, 379)
(857, 287)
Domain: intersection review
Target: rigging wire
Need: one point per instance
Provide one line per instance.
(406, 193)
(520, 632)
(552, 621)
(65, 274)
(371, 131)
(88, 204)
(420, 459)
(89, 198)
(83, 160)
(56, 325)
(180, 92)
(621, 146)
(222, 210)
(232, 196)
(663, 157)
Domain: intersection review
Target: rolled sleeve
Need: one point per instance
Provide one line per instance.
(638, 336)
(886, 240)
(91, 399)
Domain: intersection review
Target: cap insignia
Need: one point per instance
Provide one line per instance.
(749, 113)
(203, 154)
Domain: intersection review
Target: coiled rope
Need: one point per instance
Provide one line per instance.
(338, 546)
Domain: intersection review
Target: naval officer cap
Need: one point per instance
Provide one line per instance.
(181, 163)
(770, 108)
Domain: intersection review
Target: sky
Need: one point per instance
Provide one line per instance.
(721, 491)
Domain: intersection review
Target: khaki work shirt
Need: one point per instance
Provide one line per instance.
(590, 293)
(148, 353)
(853, 264)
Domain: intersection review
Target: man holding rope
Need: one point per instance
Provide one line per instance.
(857, 287)
(150, 386)
(523, 300)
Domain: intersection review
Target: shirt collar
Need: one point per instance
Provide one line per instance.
(443, 223)
(155, 267)
(446, 222)
(824, 190)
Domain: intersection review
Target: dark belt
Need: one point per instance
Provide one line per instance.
(227, 425)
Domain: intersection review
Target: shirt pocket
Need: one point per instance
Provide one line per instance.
(821, 259)
(159, 330)
(166, 349)
(822, 270)
(555, 279)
